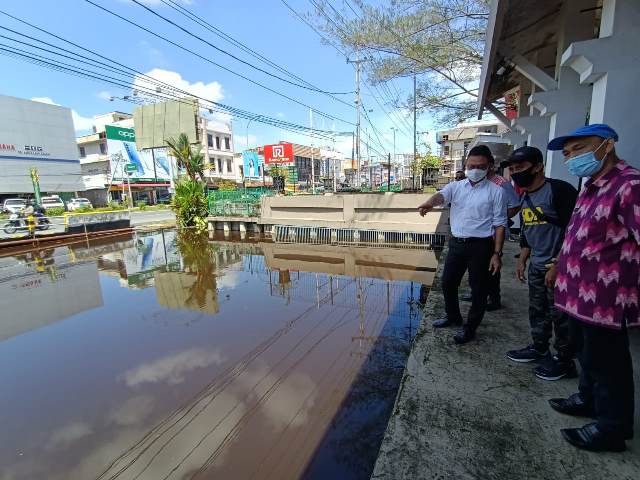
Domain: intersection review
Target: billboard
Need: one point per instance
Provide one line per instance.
(158, 122)
(281, 153)
(41, 136)
(150, 164)
(251, 163)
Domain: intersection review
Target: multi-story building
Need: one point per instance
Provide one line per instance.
(218, 150)
(94, 156)
(455, 143)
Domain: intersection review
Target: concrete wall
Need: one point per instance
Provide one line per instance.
(389, 211)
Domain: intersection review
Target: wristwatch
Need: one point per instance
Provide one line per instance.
(499, 253)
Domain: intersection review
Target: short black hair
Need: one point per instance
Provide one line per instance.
(482, 151)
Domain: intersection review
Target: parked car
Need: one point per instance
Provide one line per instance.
(13, 205)
(52, 201)
(78, 203)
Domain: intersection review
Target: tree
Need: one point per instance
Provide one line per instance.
(440, 41)
(188, 157)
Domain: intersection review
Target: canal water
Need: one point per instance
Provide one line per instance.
(164, 356)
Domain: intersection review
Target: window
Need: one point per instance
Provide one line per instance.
(217, 143)
(445, 138)
(466, 147)
(229, 167)
(209, 140)
(227, 144)
(219, 165)
(103, 148)
(446, 150)
(83, 153)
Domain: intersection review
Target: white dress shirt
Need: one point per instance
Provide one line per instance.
(476, 210)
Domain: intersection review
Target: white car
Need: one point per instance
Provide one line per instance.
(78, 203)
(52, 201)
(13, 205)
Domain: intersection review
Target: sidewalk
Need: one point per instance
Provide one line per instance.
(469, 413)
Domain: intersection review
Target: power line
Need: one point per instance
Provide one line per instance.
(225, 108)
(208, 60)
(216, 31)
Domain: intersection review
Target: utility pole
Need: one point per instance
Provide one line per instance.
(313, 168)
(415, 146)
(357, 63)
(393, 129)
(389, 174)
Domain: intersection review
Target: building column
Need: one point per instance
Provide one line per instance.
(536, 131)
(612, 64)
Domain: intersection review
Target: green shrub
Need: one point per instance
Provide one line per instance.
(141, 204)
(190, 204)
(226, 186)
(55, 211)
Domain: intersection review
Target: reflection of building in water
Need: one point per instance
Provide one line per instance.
(137, 264)
(180, 290)
(35, 291)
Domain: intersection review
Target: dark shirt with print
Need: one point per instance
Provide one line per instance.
(546, 213)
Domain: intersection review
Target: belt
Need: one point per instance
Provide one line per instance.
(470, 239)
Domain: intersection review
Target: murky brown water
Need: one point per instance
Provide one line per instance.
(158, 358)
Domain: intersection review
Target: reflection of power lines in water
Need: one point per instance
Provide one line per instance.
(209, 393)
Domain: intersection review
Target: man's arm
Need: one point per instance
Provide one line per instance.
(437, 199)
(525, 252)
(513, 200)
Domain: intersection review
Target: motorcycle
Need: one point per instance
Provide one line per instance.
(26, 223)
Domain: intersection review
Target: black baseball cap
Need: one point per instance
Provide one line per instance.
(524, 154)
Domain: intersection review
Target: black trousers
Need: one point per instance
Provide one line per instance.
(606, 379)
(473, 255)
(493, 289)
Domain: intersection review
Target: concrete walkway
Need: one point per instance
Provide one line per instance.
(469, 413)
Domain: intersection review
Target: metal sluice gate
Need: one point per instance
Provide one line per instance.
(354, 236)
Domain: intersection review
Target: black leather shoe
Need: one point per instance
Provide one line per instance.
(444, 322)
(464, 336)
(493, 305)
(590, 437)
(574, 405)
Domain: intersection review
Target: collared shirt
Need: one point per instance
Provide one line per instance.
(476, 210)
(513, 199)
(598, 278)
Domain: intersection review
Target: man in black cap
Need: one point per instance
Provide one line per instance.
(547, 205)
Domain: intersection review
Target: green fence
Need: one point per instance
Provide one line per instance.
(237, 203)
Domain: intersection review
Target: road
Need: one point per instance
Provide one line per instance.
(138, 219)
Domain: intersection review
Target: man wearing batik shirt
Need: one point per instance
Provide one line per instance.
(597, 284)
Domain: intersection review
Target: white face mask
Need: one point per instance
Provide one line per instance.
(476, 174)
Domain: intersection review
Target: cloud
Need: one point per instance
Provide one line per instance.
(172, 368)
(80, 123)
(131, 412)
(68, 434)
(104, 95)
(211, 91)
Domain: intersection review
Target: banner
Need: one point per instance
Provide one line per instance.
(251, 163)
(281, 153)
(121, 145)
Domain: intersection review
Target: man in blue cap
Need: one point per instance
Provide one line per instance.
(598, 284)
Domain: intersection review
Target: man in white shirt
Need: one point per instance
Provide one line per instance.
(478, 209)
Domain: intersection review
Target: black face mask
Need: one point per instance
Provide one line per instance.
(525, 177)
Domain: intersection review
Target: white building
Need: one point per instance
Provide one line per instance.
(41, 136)
(218, 151)
(94, 156)
(562, 64)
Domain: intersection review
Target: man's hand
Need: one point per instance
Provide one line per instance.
(425, 208)
(550, 277)
(495, 264)
(520, 269)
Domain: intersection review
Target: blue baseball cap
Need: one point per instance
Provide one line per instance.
(595, 130)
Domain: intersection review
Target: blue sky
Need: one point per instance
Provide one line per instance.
(266, 26)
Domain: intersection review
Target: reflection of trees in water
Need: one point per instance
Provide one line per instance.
(198, 258)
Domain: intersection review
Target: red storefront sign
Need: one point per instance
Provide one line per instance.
(281, 153)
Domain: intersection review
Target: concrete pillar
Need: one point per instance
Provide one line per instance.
(257, 228)
(612, 63)
(313, 234)
(243, 227)
(334, 236)
(568, 106)
(226, 226)
(536, 130)
(210, 226)
(356, 236)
